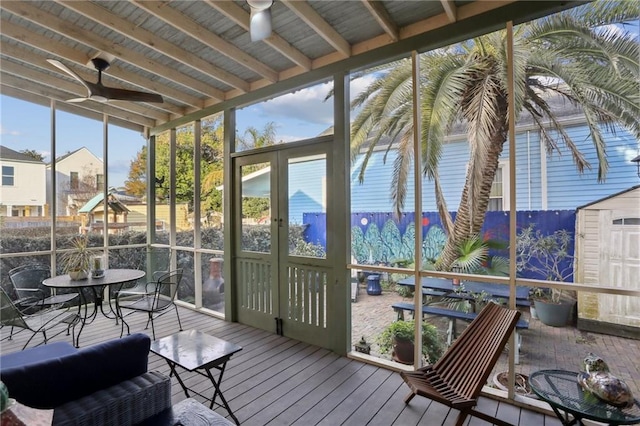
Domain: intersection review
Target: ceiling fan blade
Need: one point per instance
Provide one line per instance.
(69, 71)
(130, 95)
(100, 93)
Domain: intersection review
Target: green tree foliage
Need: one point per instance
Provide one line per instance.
(211, 166)
(33, 154)
(583, 56)
(256, 207)
(136, 184)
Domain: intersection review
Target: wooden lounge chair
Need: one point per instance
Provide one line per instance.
(456, 379)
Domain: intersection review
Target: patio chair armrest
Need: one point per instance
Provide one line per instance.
(28, 302)
(137, 290)
(30, 293)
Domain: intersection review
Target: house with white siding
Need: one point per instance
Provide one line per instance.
(79, 176)
(22, 193)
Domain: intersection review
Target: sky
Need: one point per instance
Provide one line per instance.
(23, 125)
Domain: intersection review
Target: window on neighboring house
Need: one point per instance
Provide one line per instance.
(496, 197)
(7, 175)
(99, 182)
(74, 180)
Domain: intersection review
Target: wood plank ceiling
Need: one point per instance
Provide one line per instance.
(198, 54)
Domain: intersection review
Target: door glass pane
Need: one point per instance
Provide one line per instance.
(255, 188)
(307, 206)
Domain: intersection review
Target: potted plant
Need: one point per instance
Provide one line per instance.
(548, 256)
(77, 262)
(554, 307)
(398, 339)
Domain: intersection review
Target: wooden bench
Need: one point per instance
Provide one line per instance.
(452, 315)
(457, 378)
(523, 303)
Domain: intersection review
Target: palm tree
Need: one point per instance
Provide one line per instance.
(578, 55)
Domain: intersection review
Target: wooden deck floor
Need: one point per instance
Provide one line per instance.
(278, 381)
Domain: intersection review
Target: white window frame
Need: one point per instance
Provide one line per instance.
(503, 166)
(12, 175)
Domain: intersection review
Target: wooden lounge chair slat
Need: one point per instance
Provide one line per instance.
(456, 379)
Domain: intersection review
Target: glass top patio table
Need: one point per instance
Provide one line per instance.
(562, 391)
(197, 352)
(96, 285)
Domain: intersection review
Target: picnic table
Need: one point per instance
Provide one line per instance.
(442, 287)
(445, 286)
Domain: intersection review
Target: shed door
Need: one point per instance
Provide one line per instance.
(621, 268)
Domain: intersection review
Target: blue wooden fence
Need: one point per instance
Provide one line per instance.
(383, 238)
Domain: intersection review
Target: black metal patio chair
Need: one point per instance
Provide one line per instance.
(155, 298)
(37, 322)
(31, 294)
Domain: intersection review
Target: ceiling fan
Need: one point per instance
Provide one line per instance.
(100, 93)
(260, 20)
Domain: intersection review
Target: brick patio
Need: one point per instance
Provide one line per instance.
(543, 346)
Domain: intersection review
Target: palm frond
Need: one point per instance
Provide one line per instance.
(401, 168)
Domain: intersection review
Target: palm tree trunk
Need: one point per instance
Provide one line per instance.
(471, 212)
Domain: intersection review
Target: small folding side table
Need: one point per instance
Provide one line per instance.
(197, 352)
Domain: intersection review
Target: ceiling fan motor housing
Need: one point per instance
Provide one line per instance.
(100, 64)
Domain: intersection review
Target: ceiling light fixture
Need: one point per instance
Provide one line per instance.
(260, 20)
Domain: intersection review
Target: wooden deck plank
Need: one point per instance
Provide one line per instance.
(279, 381)
(366, 411)
(388, 414)
(294, 376)
(356, 398)
(336, 397)
(298, 388)
(316, 390)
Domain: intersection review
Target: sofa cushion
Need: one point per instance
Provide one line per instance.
(128, 403)
(54, 381)
(37, 354)
(187, 412)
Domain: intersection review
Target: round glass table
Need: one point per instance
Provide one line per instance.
(562, 391)
(96, 286)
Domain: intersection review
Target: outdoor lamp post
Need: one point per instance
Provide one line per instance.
(637, 161)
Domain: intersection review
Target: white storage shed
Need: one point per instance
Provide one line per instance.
(608, 254)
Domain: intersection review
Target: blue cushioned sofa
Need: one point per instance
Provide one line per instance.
(103, 384)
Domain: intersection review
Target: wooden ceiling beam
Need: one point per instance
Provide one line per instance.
(88, 38)
(99, 14)
(442, 20)
(319, 25)
(46, 46)
(238, 15)
(380, 14)
(164, 12)
(450, 10)
(76, 90)
(49, 92)
(67, 107)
